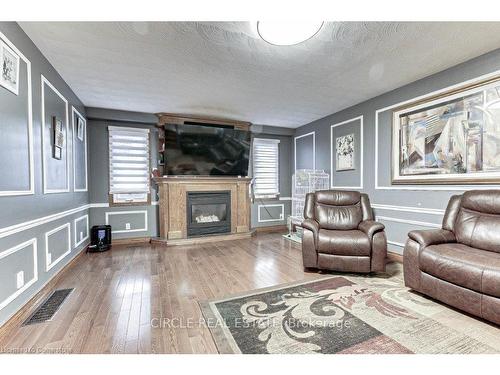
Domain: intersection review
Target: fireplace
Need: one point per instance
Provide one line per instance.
(208, 212)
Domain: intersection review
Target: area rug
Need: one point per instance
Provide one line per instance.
(344, 314)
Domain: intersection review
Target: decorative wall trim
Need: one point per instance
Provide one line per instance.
(16, 228)
(411, 222)
(86, 218)
(313, 134)
(53, 263)
(99, 205)
(422, 97)
(361, 153)
(404, 221)
(144, 212)
(105, 204)
(46, 190)
(281, 205)
(12, 250)
(420, 210)
(31, 161)
(74, 112)
(285, 198)
(400, 244)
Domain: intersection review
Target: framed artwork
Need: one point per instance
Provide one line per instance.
(9, 77)
(344, 153)
(448, 139)
(80, 129)
(59, 137)
(57, 153)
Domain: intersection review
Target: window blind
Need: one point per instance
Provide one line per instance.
(128, 160)
(265, 156)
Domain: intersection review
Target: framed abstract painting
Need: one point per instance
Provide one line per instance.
(448, 139)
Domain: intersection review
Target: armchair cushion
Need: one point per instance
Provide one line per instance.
(370, 227)
(432, 237)
(343, 242)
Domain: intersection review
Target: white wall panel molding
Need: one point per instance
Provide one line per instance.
(13, 229)
(421, 210)
(15, 249)
(282, 214)
(74, 112)
(115, 213)
(411, 222)
(31, 188)
(53, 262)
(423, 97)
(77, 220)
(46, 190)
(311, 134)
(361, 153)
(405, 221)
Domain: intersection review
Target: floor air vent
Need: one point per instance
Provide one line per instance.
(47, 310)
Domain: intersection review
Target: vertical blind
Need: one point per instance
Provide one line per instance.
(128, 160)
(265, 155)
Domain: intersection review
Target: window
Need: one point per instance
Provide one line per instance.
(265, 156)
(129, 180)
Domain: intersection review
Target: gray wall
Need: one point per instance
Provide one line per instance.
(143, 219)
(400, 209)
(30, 216)
(275, 211)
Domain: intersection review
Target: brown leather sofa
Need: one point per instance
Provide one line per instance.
(460, 263)
(340, 233)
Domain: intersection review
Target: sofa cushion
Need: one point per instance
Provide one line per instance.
(343, 242)
(485, 201)
(478, 230)
(463, 265)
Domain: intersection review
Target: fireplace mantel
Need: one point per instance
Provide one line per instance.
(172, 206)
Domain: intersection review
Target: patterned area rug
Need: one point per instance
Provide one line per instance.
(344, 314)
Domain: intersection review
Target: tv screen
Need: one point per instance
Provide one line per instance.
(206, 150)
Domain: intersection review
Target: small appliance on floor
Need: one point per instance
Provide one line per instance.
(100, 238)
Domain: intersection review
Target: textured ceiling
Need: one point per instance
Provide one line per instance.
(224, 69)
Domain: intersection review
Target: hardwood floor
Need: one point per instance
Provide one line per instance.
(122, 296)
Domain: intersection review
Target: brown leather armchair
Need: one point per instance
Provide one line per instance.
(460, 263)
(340, 233)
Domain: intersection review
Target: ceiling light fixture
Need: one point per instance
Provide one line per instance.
(283, 33)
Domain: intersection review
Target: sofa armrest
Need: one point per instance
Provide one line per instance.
(313, 226)
(432, 237)
(370, 227)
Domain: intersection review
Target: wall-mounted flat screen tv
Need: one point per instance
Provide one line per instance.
(206, 150)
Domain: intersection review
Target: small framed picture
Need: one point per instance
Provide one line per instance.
(57, 153)
(58, 132)
(345, 153)
(80, 129)
(9, 60)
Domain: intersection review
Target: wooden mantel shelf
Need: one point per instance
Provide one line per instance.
(173, 202)
(197, 179)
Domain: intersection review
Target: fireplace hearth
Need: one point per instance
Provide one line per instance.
(208, 213)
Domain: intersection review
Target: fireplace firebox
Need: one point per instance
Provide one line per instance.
(208, 212)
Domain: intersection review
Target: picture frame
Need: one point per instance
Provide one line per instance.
(451, 138)
(344, 153)
(80, 129)
(57, 153)
(9, 68)
(59, 137)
